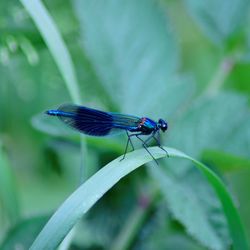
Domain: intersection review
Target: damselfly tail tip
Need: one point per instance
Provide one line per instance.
(51, 112)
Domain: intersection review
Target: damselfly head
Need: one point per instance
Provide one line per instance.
(162, 125)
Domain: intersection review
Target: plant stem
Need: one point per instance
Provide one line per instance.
(224, 69)
(134, 222)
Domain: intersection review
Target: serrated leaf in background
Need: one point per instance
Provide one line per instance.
(162, 232)
(131, 47)
(195, 206)
(210, 123)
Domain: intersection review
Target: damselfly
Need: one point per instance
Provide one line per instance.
(99, 123)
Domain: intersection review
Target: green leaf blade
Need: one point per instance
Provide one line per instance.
(95, 187)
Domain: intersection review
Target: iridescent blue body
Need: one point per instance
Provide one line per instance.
(99, 123)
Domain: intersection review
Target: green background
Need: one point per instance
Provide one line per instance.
(185, 61)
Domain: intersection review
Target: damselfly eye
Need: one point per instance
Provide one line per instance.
(163, 125)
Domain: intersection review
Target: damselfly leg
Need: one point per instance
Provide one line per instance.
(128, 141)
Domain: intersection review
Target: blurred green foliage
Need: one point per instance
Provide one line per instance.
(185, 61)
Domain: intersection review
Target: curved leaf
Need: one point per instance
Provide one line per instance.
(95, 187)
